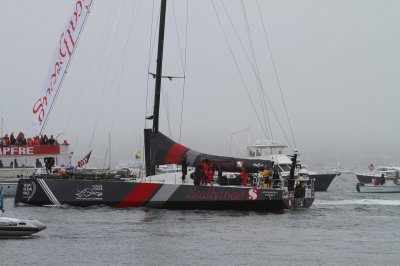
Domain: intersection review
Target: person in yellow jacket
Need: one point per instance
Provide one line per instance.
(265, 175)
(298, 182)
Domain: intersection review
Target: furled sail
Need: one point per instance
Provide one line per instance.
(60, 62)
(166, 151)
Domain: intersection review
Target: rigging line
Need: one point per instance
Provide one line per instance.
(82, 87)
(167, 113)
(183, 62)
(97, 70)
(123, 61)
(184, 69)
(108, 71)
(255, 64)
(66, 68)
(276, 72)
(177, 35)
(105, 159)
(119, 66)
(148, 65)
(236, 64)
(246, 55)
(279, 123)
(122, 66)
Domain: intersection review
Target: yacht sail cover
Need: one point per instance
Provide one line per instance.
(61, 59)
(166, 151)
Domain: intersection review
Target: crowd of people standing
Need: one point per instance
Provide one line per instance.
(20, 140)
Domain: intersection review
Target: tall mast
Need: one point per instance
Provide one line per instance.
(159, 66)
(151, 169)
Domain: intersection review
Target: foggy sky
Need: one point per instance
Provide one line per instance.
(338, 64)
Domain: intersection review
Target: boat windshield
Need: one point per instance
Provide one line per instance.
(264, 150)
(385, 169)
(285, 167)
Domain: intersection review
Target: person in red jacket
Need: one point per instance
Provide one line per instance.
(6, 140)
(205, 169)
(210, 175)
(245, 176)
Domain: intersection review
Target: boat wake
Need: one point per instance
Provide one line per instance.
(358, 202)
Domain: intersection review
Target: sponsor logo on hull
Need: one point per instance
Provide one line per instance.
(95, 192)
(270, 194)
(253, 194)
(28, 190)
(210, 193)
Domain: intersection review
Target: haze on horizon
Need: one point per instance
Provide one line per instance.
(337, 61)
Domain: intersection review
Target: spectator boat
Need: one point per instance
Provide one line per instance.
(21, 161)
(270, 150)
(387, 170)
(383, 184)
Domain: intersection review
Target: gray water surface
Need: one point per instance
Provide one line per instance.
(342, 227)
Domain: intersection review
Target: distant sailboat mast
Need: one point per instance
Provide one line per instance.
(2, 123)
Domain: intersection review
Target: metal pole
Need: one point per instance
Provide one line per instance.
(159, 66)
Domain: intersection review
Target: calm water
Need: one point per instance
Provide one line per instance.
(343, 227)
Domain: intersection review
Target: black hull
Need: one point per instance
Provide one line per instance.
(13, 231)
(123, 194)
(322, 181)
(366, 179)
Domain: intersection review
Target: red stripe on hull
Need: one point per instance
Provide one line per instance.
(175, 154)
(139, 195)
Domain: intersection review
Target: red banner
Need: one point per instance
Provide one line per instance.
(30, 151)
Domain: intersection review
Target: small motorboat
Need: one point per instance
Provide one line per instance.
(13, 227)
(387, 171)
(389, 185)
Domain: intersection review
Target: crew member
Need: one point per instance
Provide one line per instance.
(265, 176)
(298, 182)
(382, 180)
(219, 171)
(205, 169)
(184, 167)
(210, 175)
(38, 164)
(245, 176)
(49, 163)
(197, 176)
(297, 190)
